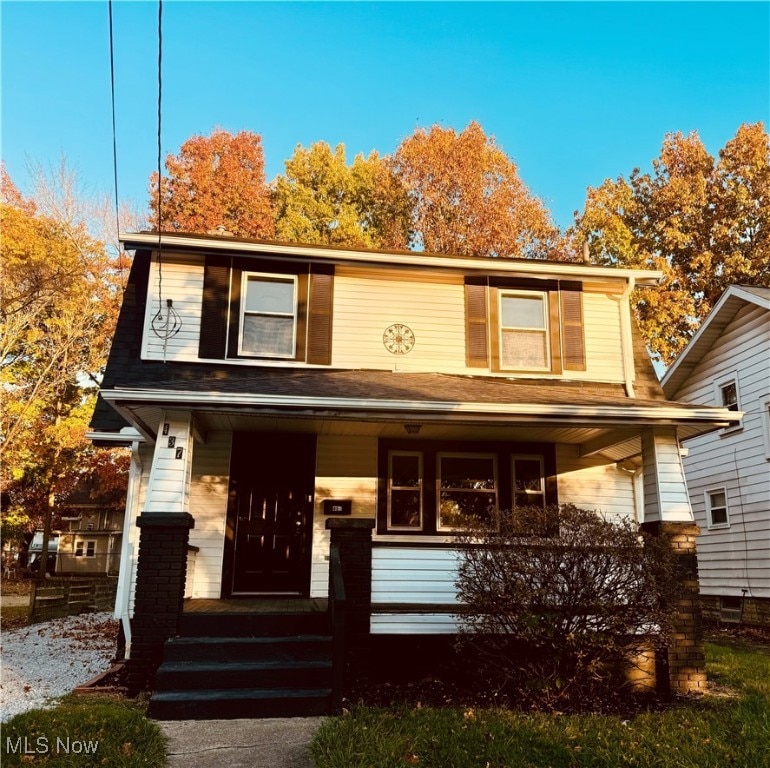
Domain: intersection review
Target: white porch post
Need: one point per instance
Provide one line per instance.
(665, 489)
(161, 565)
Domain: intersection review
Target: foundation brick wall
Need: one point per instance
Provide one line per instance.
(755, 611)
(160, 582)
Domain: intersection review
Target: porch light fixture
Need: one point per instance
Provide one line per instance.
(412, 429)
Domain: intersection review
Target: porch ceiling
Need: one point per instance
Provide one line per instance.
(612, 442)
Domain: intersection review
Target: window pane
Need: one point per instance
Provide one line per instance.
(524, 349)
(405, 471)
(269, 295)
(523, 312)
(264, 335)
(457, 506)
(730, 396)
(718, 516)
(405, 509)
(718, 499)
(475, 473)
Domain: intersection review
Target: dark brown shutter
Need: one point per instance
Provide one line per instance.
(216, 286)
(573, 343)
(476, 348)
(319, 318)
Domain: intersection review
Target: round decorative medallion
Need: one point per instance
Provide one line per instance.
(398, 339)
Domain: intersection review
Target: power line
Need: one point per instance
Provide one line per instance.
(114, 131)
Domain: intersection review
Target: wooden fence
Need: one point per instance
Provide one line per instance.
(59, 597)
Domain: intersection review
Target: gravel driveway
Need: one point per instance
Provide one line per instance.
(44, 661)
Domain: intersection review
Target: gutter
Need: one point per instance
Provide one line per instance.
(331, 407)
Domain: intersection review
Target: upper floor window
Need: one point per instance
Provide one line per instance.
(254, 308)
(729, 393)
(269, 315)
(716, 508)
(524, 330)
(524, 324)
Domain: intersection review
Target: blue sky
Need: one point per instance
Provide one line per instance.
(574, 92)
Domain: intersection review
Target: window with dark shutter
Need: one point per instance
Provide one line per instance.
(214, 308)
(476, 347)
(573, 344)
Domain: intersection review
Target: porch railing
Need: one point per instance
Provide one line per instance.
(337, 609)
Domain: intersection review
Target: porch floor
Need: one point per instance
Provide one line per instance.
(259, 605)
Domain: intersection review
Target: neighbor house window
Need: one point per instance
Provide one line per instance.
(85, 549)
(268, 315)
(524, 330)
(467, 486)
(729, 395)
(405, 491)
(716, 508)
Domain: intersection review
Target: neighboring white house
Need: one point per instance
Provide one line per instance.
(727, 363)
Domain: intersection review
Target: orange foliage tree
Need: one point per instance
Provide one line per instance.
(703, 221)
(216, 180)
(468, 198)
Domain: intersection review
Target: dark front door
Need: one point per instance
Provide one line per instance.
(270, 514)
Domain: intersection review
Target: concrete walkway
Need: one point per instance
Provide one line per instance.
(270, 743)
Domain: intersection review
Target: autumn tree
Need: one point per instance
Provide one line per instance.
(703, 221)
(468, 197)
(59, 305)
(322, 199)
(216, 180)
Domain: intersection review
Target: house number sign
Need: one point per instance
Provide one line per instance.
(398, 339)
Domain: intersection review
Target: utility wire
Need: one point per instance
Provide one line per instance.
(114, 131)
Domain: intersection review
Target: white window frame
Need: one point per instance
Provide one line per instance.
(272, 277)
(720, 383)
(709, 507)
(529, 457)
(421, 472)
(85, 545)
(463, 455)
(546, 331)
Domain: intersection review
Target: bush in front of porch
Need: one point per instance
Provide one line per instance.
(563, 608)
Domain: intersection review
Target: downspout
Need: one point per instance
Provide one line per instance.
(123, 597)
(626, 340)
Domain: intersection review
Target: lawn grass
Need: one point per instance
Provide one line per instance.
(715, 731)
(84, 731)
(14, 616)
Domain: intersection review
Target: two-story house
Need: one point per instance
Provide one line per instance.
(727, 363)
(286, 402)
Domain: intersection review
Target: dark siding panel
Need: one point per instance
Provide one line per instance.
(216, 287)
(572, 330)
(319, 334)
(476, 346)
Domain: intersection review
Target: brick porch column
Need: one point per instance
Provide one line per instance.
(684, 669)
(160, 582)
(353, 536)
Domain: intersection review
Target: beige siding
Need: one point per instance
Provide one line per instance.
(604, 361)
(735, 558)
(593, 483)
(182, 282)
(346, 468)
(665, 489)
(365, 305)
(168, 489)
(208, 506)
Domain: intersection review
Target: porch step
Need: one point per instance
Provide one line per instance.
(229, 649)
(215, 704)
(278, 624)
(230, 677)
(190, 675)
